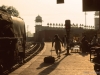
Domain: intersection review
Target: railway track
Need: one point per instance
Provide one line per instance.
(31, 51)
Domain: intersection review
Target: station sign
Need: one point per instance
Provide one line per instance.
(91, 5)
(60, 1)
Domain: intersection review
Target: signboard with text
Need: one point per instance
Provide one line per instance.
(60, 1)
(91, 5)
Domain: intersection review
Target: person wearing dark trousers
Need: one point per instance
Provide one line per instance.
(65, 40)
(57, 42)
(84, 44)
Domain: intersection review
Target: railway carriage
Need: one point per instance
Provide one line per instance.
(12, 36)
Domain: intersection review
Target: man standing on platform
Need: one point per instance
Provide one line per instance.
(65, 41)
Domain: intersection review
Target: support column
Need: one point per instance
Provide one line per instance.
(85, 18)
(99, 20)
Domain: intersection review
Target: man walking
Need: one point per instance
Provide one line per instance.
(57, 42)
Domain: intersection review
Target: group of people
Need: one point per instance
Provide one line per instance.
(86, 44)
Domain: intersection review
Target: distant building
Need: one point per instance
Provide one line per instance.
(46, 33)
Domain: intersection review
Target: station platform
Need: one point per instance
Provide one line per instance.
(73, 64)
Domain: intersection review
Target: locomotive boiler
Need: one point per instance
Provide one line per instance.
(12, 36)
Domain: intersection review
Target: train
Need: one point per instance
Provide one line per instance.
(12, 40)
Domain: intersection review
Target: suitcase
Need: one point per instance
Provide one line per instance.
(49, 59)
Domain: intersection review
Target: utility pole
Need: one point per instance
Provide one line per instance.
(99, 20)
(27, 30)
(85, 17)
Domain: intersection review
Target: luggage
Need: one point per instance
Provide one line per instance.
(49, 59)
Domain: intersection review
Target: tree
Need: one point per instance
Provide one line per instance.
(85, 26)
(10, 9)
(77, 25)
(59, 25)
(80, 25)
(56, 24)
(48, 24)
(53, 24)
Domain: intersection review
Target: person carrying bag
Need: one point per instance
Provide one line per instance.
(57, 42)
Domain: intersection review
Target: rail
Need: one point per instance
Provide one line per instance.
(29, 54)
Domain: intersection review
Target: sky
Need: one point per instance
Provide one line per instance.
(50, 11)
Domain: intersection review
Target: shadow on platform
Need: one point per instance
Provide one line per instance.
(50, 67)
(84, 54)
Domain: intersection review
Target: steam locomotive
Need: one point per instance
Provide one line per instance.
(12, 36)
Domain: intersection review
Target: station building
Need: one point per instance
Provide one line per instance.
(46, 33)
